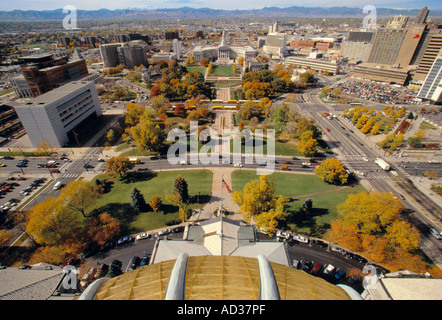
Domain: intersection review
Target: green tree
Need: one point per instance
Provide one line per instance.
(137, 201)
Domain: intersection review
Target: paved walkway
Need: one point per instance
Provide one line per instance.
(220, 195)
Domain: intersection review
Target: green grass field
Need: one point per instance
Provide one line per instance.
(299, 187)
(199, 69)
(117, 201)
(222, 71)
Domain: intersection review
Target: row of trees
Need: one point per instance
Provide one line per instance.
(371, 224)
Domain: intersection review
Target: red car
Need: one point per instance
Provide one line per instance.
(327, 129)
(316, 268)
(288, 162)
(55, 171)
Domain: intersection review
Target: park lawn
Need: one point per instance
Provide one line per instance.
(117, 201)
(222, 71)
(281, 148)
(199, 69)
(299, 187)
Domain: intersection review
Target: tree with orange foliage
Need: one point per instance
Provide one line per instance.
(103, 228)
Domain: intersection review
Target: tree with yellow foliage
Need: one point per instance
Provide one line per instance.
(332, 171)
(118, 165)
(258, 198)
(307, 144)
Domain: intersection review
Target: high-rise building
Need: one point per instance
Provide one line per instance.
(432, 87)
(54, 116)
(398, 22)
(276, 44)
(358, 45)
(274, 28)
(129, 54)
(430, 52)
(386, 46)
(44, 73)
(422, 15)
(176, 46)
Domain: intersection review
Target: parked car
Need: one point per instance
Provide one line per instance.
(143, 235)
(125, 240)
(177, 229)
(340, 275)
(319, 243)
(300, 238)
(296, 264)
(144, 261)
(288, 162)
(316, 269)
(134, 263)
(328, 270)
(307, 266)
(164, 232)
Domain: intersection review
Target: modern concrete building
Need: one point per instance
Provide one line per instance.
(44, 73)
(320, 65)
(129, 54)
(430, 51)
(432, 87)
(398, 22)
(53, 116)
(276, 45)
(21, 87)
(176, 47)
(381, 73)
(386, 46)
(358, 45)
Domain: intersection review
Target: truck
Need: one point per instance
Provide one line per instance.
(381, 163)
(134, 160)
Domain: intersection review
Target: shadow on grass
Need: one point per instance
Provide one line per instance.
(123, 212)
(306, 219)
(138, 176)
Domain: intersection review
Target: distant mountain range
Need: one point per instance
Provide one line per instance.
(187, 12)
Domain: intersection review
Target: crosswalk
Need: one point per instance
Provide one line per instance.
(70, 176)
(357, 158)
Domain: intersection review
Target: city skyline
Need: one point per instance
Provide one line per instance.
(212, 4)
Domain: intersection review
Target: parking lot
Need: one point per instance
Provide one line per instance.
(378, 92)
(15, 190)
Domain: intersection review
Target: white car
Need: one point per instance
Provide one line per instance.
(394, 173)
(433, 161)
(183, 162)
(237, 165)
(360, 173)
(300, 238)
(306, 164)
(143, 235)
(365, 158)
(329, 269)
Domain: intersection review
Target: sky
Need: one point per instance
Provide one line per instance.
(213, 4)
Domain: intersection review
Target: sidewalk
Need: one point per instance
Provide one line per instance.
(220, 195)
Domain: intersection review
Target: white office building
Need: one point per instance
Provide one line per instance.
(176, 47)
(51, 116)
(432, 87)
